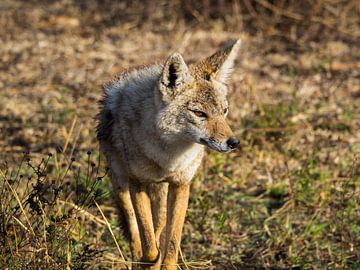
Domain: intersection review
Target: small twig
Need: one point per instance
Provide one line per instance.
(333, 25)
(182, 257)
(69, 134)
(193, 264)
(19, 202)
(20, 223)
(111, 232)
(252, 88)
(276, 129)
(86, 213)
(277, 10)
(68, 256)
(47, 256)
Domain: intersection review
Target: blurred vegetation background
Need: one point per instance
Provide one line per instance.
(288, 199)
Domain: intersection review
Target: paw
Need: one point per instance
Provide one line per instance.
(153, 264)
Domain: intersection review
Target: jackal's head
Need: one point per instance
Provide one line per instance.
(192, 100)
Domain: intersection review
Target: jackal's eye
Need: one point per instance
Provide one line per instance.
(199, 113)
(226, 110)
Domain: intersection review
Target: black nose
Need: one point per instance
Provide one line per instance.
(232, 142)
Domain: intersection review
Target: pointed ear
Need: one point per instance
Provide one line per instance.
(219, 66)
(175, 74)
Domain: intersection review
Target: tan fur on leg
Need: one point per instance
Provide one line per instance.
(158, 196)
(122, 193)
(178, 197)
(129, 212)
(142, 205)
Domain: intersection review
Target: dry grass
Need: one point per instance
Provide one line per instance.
(289, 198)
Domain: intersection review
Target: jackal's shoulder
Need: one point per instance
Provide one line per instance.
(133, 83)
(139, 75)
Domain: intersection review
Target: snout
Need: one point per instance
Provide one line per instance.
(219, 136)
(232, 143)
(226, 146)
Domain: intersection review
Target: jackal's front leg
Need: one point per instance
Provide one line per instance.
(158, 196)
(142, 205)
(178, 196)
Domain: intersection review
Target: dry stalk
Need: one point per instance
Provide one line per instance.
(111, 232)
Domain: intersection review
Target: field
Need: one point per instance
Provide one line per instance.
(289, 198)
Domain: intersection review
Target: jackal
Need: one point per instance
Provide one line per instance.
(153, 125)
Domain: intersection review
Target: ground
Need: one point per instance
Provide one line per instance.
(288, 198)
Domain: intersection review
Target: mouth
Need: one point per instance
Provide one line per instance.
(215, 146)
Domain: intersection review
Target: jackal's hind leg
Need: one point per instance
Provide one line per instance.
(129, 212)
(122, 196)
